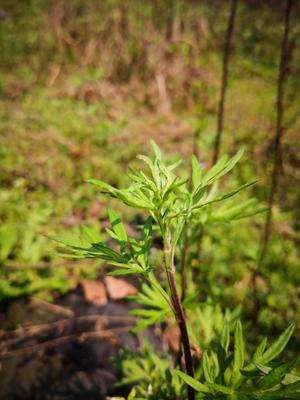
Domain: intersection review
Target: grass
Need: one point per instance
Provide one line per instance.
(84, 112)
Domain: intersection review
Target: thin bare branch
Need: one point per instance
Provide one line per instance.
(226, 54)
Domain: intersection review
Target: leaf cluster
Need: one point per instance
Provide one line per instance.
(149, 374)
(171, 200)
(225, 373)
(131, 257)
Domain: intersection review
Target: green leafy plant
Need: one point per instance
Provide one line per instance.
(225, 374)
(24, 260)
(206, 321)
(149, 373)
(172, 202)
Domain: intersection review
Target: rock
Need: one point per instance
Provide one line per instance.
(94, 292)
(119, 288)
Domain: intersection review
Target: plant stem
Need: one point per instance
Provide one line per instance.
(186, 233)
(279, 127)
(284, 56)
(178, 312)
(227, 45)
(183, 263)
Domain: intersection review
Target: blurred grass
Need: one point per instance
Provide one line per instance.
(83, 87)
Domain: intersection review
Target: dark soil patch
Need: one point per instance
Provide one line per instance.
(64, 351)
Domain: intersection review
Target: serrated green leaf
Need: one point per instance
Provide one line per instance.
(291, 378)
(198, 194)
(174, 185)
(260, 350)
(196, 172)
(66, 242)
(223, 346)
(173, 166)
(274, 350)
(126, 269)
(220, 388)
(292, 388)
(215, 170)
(224, 196)
(112, 234)
(221, 168)
(139, 312)
(278, 346)
(200, 387)
(147, 229)
(131, 200)
(276, 375)
(263, 368)
(117, 225)
(225, 337)
(156, 149)
(105, 187)
(206, 367)
(90, 234)
(239, 351)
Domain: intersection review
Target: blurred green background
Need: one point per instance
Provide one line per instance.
(84, 85)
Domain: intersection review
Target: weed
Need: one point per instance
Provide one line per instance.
(172, 203)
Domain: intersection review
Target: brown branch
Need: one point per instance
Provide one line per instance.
(184, 337)
(108, 333)
(282, 75)
(279, 128)
(34, 330)
(178, 310)
(170, 19)
(226, 54)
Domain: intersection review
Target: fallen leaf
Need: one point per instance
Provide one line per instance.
(118, 288)
(94, 292)
(81, 151)
(96, 209)
(171, 336)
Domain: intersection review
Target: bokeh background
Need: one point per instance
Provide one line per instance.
(84, 85)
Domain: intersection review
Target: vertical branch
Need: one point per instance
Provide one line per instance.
(226, 53)
(178, 311)
(186, 237)
(170, 19)
(186, 234)
(180, 318)
(282, 74)
(124, 18)
(183, 263)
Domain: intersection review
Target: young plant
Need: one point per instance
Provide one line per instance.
(225, 374)
(150, 374)
(171, 202)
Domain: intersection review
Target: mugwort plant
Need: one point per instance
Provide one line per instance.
(172, 203)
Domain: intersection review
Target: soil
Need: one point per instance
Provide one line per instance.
(64, 350)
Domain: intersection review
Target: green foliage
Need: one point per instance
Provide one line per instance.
(157, 302)
(132, 256)
(168, 200)
(172, 202)
(226, 374)
(206, 322)
(149, 373)
(62, 120)
(27, 262)
(72, 101)
(24, 256)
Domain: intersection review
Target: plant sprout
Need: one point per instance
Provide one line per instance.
(172, 202)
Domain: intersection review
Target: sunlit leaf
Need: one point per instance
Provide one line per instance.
(117, 225)
(200, 387)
